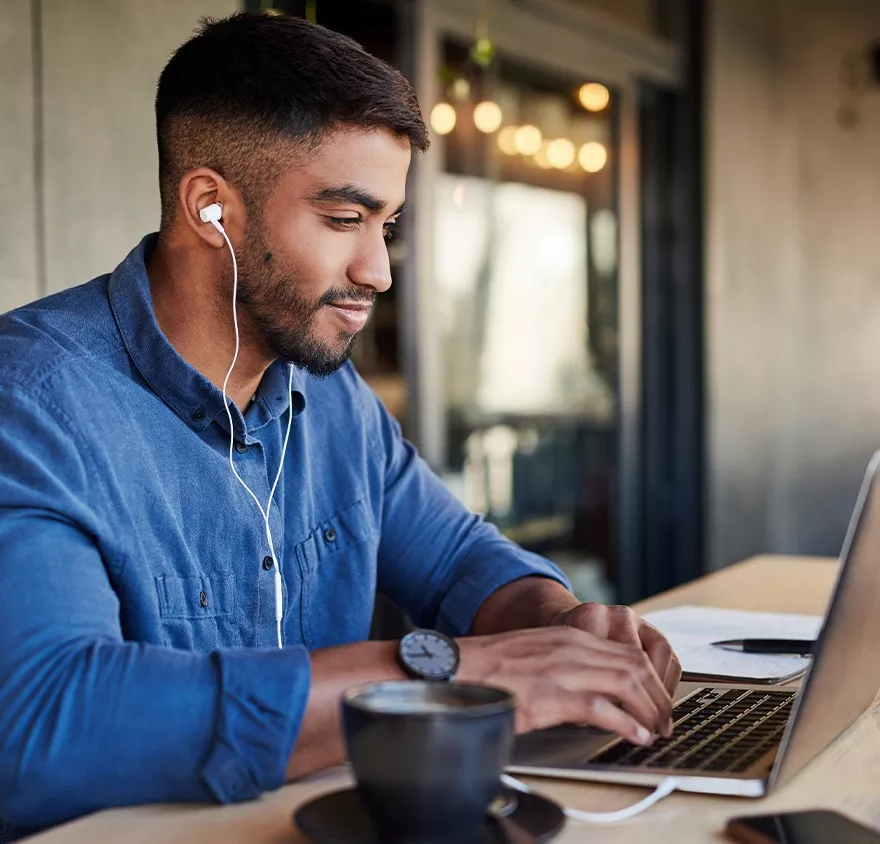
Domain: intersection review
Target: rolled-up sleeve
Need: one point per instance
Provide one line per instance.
(90, 721)
(263, 697)
(437, 560)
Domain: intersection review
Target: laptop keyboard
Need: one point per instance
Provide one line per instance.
(716, 730)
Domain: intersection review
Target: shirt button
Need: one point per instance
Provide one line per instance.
(198, 415)
(330, 535)
(268, 562)
(241, 448)
(203, 599)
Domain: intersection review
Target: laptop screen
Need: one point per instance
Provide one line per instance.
(845, 675)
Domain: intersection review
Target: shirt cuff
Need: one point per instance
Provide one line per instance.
(490, 573)
(263, 696)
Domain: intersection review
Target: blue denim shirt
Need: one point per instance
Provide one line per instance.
(137, 643)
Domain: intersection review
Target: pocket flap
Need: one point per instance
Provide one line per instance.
(195, 597)
(348, 527)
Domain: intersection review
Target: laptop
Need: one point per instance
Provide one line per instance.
(745, 740)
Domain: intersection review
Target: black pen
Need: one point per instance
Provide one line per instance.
(788, 647)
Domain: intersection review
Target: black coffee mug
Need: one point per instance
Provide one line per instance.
(428, 756)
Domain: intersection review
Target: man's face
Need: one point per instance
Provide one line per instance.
(314, 260)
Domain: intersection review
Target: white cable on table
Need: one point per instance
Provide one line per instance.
(663, 790)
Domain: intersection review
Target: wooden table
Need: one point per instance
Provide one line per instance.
(844, 777)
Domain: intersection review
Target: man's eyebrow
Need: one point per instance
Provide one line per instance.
(349, 193)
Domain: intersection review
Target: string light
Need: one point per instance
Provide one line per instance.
(487, 116)
(561, 153)
(593, 96)
(592, 156)
(443, 118)
(507, 140)
(540, 157)
(527, 139)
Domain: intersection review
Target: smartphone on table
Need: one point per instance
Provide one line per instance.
(808, 827)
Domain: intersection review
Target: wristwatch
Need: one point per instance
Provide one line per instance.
(428, 655)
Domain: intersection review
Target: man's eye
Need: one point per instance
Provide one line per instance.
(345, 222)
(390, 231)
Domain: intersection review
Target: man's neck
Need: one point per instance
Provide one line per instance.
(183, 287)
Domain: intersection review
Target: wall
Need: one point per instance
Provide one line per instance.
(793, 276)
(100, 64)
(18, 248)
(638, 14)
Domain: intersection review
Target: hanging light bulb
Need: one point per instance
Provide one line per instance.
(561, 153)
(443, 118)
(507, 140)
(593, 156)
(540, 157)
(461, 88)
(528, 139)
(593, 96)
(487, 116)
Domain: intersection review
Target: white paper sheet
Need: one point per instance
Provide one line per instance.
(691, 630)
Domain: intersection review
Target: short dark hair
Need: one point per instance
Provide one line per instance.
(246, 84)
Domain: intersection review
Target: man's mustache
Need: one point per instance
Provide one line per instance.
(351, 294)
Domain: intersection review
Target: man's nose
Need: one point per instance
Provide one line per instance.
(371, 267)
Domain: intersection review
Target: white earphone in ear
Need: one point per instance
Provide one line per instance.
(211, 214)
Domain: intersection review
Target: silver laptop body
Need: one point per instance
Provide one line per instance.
(746, 740)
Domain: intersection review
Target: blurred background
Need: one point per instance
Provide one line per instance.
(636, 311)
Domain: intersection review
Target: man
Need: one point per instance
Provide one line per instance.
(138, 652)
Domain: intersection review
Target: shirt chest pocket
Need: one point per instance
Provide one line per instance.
(197, 612)
(338, 562)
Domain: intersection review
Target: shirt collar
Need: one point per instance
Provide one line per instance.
(183, 388)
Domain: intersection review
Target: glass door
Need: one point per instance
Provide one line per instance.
(525, 246)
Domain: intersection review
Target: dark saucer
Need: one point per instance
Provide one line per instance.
(340, 818)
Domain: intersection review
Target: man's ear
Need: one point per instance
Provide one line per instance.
(202, 187)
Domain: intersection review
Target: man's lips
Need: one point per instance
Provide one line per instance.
(353, 315)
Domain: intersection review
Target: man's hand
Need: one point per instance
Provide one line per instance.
(621, 624)
(536, 602)
(540, 602)
(563, 675)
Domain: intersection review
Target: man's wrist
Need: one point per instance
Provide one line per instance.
(533, 601)
(478, 663)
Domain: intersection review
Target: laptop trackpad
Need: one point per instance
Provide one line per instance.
(570, 745)
(559, 746)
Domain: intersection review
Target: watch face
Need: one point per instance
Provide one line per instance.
(429, 654)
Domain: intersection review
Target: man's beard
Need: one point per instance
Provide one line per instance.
(285, 320)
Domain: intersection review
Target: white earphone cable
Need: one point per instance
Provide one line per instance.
(279, 609)
(666, 787)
